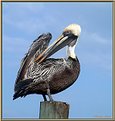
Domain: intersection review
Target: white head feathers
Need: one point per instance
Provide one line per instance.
(74, 28)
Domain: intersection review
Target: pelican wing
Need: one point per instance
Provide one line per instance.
(43, 72)
(37, 47)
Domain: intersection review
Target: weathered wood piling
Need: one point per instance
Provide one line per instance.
(54, 110)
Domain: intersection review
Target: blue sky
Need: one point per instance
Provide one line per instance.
(91, 94)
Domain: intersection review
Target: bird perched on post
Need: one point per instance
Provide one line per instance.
(39, 74)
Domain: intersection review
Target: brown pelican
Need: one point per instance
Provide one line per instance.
(39, 74)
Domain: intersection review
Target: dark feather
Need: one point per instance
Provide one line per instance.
(20, 88)
(37, 47)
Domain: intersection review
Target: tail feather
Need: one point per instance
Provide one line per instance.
(20, 88)
(18, 94)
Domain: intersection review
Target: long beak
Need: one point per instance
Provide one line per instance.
(57, 45)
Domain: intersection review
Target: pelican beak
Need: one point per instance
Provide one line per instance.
(61, 42)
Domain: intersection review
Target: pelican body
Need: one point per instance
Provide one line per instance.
(39, 74)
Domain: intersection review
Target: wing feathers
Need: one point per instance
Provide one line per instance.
(37, 47)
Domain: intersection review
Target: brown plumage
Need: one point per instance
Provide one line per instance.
(42, 75)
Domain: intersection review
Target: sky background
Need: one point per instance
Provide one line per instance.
(91, 95)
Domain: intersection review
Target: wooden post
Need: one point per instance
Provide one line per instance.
(54, 110)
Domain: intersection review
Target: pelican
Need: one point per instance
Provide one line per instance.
(39, 74)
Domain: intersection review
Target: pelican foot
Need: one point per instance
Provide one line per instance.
(44, 96)
(49, 95)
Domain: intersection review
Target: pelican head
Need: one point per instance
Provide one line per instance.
(74, 29)
(68, 38)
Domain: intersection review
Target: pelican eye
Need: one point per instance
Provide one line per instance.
(67, 33)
